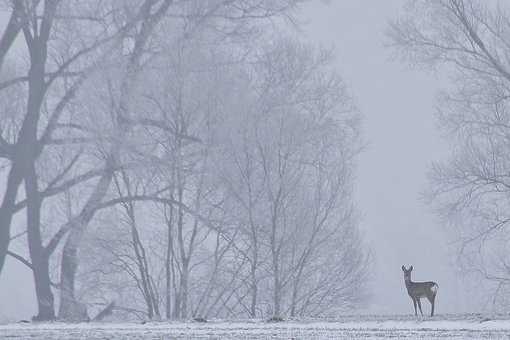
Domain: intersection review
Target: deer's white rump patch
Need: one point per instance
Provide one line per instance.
(434, 288)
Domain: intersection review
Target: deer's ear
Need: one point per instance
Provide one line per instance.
(411, 268)
(403, 268)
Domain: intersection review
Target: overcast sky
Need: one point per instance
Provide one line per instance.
(398, 105)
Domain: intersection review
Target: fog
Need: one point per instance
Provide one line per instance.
(398, 105)
(401, 136)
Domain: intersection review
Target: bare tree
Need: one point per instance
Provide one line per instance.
(52, 82)
(289, 171)
(469, 39)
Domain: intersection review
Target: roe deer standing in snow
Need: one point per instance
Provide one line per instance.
(417, 290)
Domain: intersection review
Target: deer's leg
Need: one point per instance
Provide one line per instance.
(430, 297)
(432, 303)
(414, 303)
(419, 305)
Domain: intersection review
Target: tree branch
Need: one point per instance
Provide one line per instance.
(20, 259)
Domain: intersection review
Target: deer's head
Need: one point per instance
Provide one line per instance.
(407, 273)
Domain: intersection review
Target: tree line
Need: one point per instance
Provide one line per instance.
(176, 159)
(468, 41)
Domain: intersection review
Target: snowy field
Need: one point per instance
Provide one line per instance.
(366, 327)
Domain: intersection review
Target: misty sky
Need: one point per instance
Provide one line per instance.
(398, 105)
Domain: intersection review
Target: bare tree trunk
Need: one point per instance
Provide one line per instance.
(184, 289)
(295, 290)
(255, 248)
(177, 302)
(168, 264)
(254, 290)
(7, 209)
(255, 260)
(180, 305)
(70, 309)
(180, 226)
(45, 300)
(38, 254)
(276, 294)
(275, 261)
(142, 265)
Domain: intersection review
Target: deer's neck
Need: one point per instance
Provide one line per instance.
(408, 282)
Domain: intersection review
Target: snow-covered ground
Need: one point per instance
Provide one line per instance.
(366, 327)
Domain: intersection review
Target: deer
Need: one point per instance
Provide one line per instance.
(418, 290)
